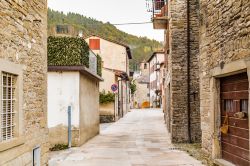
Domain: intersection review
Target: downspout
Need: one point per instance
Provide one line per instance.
(188, 71)
(149, 71)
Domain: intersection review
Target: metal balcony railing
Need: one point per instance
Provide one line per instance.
(158, 8)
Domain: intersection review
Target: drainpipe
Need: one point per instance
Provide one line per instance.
(188, 71)
(69, 127)
(149, 86)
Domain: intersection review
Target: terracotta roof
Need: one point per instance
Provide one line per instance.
(119, 73)
(113, 41)
(81, 69)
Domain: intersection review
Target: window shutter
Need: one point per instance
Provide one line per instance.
(94, 44)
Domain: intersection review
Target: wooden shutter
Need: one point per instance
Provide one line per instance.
(94, 44)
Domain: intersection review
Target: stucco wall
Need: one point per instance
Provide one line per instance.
(63, 91)
(23, 39)
(89, 106)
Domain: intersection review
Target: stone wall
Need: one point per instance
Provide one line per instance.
(194, 89)
(224, 38)
(23, 40)
(89, 105)
(178, 69)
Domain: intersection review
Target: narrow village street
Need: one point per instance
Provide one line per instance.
(138, 139)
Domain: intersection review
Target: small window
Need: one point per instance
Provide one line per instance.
(145, 66)
(244, 106)
(228, 105)
(8, 106)
(62, 29)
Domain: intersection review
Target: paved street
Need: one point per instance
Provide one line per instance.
(139, 139)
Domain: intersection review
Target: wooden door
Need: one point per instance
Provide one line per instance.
(234, 103)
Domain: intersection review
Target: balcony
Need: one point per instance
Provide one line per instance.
(159, 10)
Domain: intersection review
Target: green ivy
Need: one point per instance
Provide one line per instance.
(106, 97)
(67, 51)
(99, 65)
(132, 87)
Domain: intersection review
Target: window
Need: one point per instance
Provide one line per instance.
(228, 105)
(145, 66)
(62, 29)
(244, 106)
(11, 105)
(8, 106)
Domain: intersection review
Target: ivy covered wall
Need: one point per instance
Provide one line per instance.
(67, 51)
(99, 65)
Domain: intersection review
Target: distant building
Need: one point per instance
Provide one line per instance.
(115, 71)
(63, 30)
(140, 99)
(155, 62)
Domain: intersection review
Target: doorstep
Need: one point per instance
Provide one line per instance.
(222, 162)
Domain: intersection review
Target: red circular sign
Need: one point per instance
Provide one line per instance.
(114, 87)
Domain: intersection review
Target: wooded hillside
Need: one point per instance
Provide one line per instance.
(141, 47)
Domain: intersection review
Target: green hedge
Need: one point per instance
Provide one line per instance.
(106, 98)
(67, 51)
(99, 65)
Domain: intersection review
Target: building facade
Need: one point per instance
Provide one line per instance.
(180, 21)
(224, 80)
(155, 62)
(115, 71)
(23, 89)
(141, 96)
(78, 88)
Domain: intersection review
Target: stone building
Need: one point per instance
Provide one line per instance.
(224, 79)
(23, 90)
(180, 21)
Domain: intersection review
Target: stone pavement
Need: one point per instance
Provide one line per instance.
(138, 139)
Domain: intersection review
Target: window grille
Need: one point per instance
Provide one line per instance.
(8, 106)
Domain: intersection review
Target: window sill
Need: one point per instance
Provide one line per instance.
(11, 144)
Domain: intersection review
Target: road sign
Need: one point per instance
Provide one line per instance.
(114, 87)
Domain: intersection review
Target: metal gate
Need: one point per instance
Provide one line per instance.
(234, 108)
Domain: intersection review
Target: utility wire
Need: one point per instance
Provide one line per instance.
(133, 23)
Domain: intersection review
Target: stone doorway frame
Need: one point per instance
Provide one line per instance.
(216, 73)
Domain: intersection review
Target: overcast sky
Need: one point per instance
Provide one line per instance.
(113, 11)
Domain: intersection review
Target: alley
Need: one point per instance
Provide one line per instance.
(138, 139)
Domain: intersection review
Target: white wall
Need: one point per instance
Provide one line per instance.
(63, 90)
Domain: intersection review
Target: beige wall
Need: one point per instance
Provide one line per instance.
(109, 79)
(89, 108)
(107, 109)
(23, 39)
(113, 55)
(141, 93)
